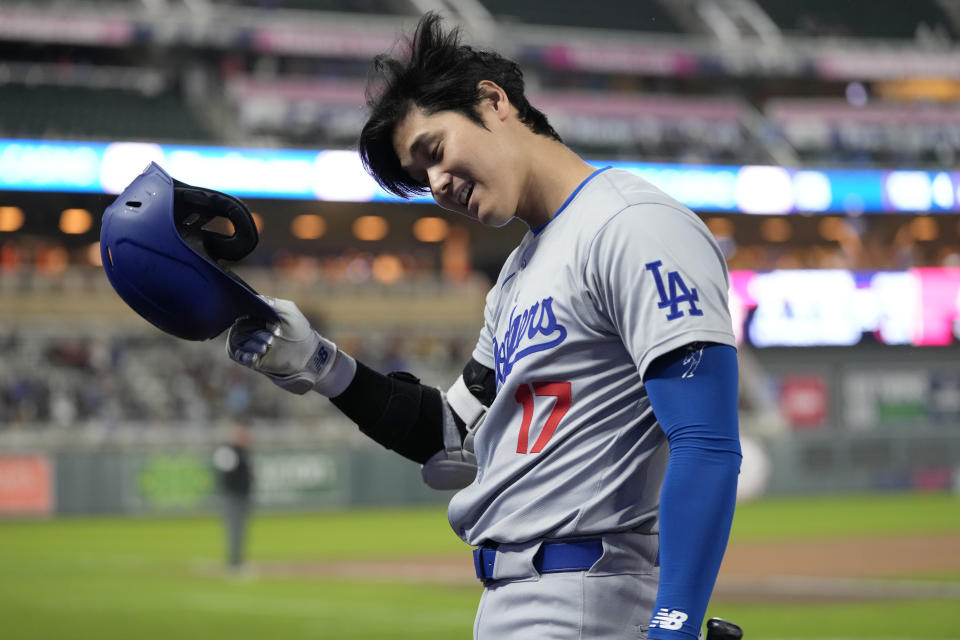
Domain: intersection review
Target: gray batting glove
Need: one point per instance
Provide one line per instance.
(289, 352)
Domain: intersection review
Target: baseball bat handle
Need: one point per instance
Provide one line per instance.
(720, 629)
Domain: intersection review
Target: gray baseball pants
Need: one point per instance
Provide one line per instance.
(236, 510)
(613, 600)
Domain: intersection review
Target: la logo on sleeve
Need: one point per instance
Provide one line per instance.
(679, 292)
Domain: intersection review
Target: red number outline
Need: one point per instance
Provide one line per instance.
(564, 397)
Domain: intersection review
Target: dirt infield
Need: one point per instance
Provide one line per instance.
(852, 558)
(857, 569)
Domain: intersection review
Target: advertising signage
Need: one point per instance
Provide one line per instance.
(825, 307)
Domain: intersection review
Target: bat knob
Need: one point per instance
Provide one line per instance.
(720, 629)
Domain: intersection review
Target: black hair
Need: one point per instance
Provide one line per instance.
(438, 74)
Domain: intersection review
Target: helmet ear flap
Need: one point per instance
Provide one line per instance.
(194, 207)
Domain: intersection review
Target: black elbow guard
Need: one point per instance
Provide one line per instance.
(481, 381)
(396, 411)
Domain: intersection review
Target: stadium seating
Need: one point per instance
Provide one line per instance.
(605, 14)
(894, 133)
(885, 18)
(88, 113)
(88, 376)
(350, 6)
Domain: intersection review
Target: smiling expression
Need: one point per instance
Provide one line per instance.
(470, 169)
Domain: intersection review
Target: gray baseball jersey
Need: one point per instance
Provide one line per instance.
(570, 447)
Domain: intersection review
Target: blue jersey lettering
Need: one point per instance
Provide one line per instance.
(523, 329)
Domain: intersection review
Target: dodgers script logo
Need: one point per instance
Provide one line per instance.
(535, 330)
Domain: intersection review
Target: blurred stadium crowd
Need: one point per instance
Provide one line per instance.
(84, 378)
(817, 83)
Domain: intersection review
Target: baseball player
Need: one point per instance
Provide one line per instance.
(234, 471)
(594, 432)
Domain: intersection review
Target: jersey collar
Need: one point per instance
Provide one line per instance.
(536, 230)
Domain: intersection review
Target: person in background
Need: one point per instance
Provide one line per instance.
(231, 461)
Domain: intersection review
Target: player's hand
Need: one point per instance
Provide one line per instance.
(289, 352)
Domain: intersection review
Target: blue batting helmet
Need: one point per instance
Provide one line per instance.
(167, 267)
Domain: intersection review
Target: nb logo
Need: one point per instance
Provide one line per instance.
(671, 620)
(319, 358)
(679, 292)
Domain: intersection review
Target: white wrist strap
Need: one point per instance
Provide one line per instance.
(338, 374)
(465, 404)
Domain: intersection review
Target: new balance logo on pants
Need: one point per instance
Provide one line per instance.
(671, 620)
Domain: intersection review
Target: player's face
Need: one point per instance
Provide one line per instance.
(469, 169)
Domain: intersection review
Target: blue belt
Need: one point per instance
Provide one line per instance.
(553, 557)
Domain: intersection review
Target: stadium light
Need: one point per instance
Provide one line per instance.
(776, 230)
(720, 227)
(308, 226)
(370, 228)
(11, 218)
(924, 228)
(75, 221)
(833, 228)
(387, 268)
(431, 229)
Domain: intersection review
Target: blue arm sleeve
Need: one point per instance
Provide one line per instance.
(693, 393)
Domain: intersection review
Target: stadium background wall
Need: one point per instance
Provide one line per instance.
(180, 481)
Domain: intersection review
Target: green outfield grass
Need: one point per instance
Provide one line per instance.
(846, 516)
(160, 579)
